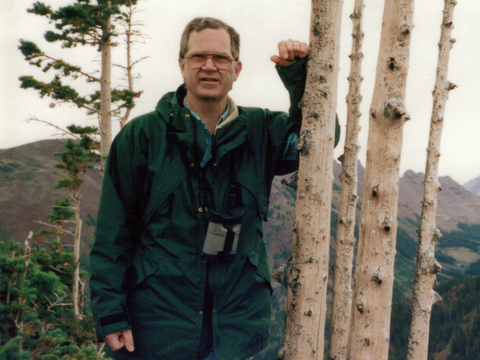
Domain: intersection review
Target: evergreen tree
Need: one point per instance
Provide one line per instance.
(36, 316)
(76, 160)
(85, 24)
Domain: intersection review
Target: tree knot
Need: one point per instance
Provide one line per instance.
(395, 109)
(377, 275)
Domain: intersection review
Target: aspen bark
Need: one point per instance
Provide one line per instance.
(374, 273)
(426, 266)
(345, 241)
(105, 88)
(307, 276)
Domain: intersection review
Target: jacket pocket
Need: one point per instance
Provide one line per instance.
(142, 267)
(259, 260)
(256, 187)
(161, 193)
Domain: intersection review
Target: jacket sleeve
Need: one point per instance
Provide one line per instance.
(293, 77)
(117, 228)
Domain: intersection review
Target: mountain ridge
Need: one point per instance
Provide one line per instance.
(473, 185)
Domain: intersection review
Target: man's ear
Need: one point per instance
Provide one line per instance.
(181, 63)
(238, 68)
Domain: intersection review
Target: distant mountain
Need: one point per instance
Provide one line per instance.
(455, 203)
(473, 185)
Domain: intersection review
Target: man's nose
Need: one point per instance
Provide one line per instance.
(209, 65)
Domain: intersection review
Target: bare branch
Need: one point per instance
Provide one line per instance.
(57, 302)
(62, 130)
(56, 227)
(60, 271)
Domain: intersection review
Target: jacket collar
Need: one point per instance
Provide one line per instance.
(229, 134)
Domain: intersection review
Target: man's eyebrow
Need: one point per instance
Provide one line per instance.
(210, 53)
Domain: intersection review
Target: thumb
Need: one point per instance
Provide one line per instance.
(280, 61)
(277, 59)
(128, 340)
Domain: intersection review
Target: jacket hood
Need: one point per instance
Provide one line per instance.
(171, 100)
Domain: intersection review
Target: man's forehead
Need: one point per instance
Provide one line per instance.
(215, 41)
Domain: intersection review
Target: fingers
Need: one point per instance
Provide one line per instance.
(304, 50)
(128, 339)
(113, 341)
(118, 340)
(286, 50)
(289, 51)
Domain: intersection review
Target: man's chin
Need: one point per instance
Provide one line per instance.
(211, 95)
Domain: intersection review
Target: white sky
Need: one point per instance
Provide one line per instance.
(262, 24)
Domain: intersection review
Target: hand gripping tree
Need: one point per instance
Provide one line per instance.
(374, 272)
(426, 266)
(307, 273)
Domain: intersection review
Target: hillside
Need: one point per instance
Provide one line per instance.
(454, 325)
(27, 180)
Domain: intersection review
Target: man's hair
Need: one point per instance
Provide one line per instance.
(201, 23)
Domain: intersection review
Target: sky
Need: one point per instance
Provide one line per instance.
(262, 24)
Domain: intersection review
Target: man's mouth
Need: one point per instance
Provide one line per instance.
(207, 79)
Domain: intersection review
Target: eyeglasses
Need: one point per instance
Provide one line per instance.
(197, 61)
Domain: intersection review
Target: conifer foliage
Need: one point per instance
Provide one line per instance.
(36, 315)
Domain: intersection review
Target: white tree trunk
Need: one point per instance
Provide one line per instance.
(129, 33)
(426, 266)
(105, 89)
(76, 293)
(345, 242)
(374, 272)
(308, 273)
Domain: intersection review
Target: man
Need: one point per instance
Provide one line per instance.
(179, 265)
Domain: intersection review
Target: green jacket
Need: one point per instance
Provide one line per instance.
(148, 272)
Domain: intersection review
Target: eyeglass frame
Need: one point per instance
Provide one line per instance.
(212, 57)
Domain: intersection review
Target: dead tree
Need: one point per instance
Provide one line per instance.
(132, 36)
(345, 242)
(426, 266)
(308, 270)
(374, 273)
(105, 115)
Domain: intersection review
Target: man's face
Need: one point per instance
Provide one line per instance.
(209, 83)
